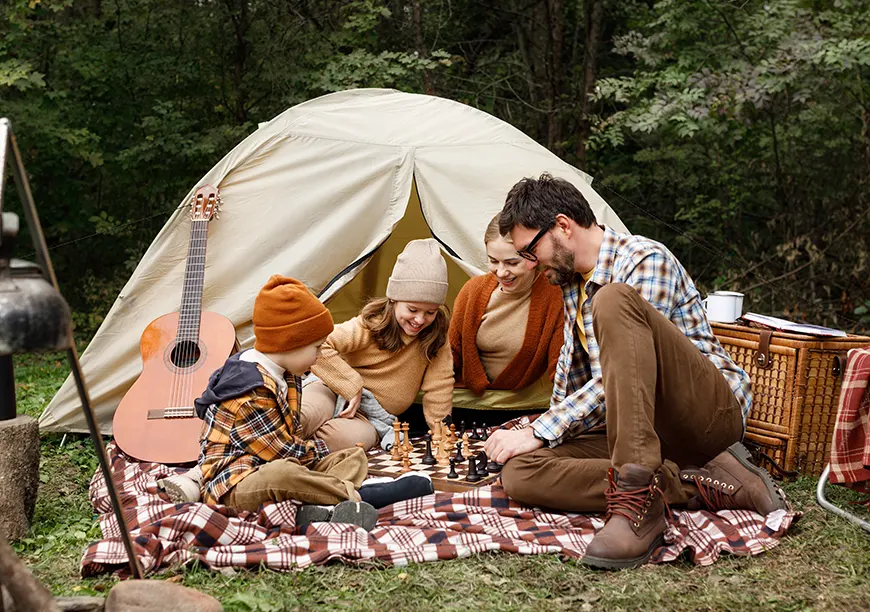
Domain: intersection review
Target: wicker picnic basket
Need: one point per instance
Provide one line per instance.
(795, 386)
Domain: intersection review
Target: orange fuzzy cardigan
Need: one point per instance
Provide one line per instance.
(541, 343)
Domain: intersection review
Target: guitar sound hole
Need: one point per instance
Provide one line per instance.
(185, 354)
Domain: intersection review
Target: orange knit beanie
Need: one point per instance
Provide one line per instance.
(288, 316)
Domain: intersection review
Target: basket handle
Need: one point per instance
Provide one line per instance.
(762, 355)
(839, 365)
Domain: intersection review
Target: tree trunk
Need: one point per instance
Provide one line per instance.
(241, 24)
(556, 21)
(594, 22)
(417, 18)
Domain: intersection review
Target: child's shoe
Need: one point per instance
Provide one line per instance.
(380, 492)
(360, 514)
(183, 488)
(311, 513)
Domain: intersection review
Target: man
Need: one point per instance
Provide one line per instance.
(642, 390)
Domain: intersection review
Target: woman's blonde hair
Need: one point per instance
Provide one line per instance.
(492, 232)
(379, 317)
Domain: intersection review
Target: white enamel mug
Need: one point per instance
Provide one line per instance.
(724, 306)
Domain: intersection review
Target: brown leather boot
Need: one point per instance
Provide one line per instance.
(732, 482)
(635, 520)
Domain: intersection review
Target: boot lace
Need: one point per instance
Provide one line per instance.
(632, 505)
(716, 495)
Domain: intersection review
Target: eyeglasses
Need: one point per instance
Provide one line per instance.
(526, 253)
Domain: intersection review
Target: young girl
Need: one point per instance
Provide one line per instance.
(372, 367)
(506, 331)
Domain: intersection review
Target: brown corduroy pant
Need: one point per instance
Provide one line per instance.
(668, 407)
(333, 479)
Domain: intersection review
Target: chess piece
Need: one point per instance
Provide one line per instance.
(406, 464)
(428, 458)
(494, 468)
(481, 464)
(484, 432)
(445, 450)
(452, 473)
(436, 442)
(466, 444)
(461, 428)
(474, 435)
(472, 475)
(396, 450)
(459, 456)
(453, 437)
(407, 446)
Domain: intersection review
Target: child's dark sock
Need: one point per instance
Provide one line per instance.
(406, 486)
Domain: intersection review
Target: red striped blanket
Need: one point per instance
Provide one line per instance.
(432, 528)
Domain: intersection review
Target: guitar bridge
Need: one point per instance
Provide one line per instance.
(173, 412)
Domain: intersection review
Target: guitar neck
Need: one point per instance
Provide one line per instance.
(194, 274)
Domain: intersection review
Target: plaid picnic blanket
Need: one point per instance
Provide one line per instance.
(435, 527)
(850, 448)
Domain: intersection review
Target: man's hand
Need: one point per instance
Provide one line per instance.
(506, 443)
(352, 404)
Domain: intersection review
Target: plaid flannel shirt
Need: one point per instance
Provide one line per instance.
(578, 402)
(241, 434)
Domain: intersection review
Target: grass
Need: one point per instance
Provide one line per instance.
(822, 564)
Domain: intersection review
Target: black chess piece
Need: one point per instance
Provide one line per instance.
(472, 475)
(461, 428)
(474, 435)
(494, 468)
(481, 463)
(459, 455)
(428, 458)
(452, 473)
(484, 432)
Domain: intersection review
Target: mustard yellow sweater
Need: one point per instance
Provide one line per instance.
(350, 360)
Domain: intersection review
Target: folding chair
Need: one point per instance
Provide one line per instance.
(827, 505)
(850, 445)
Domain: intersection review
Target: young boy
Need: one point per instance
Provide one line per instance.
(252, 446)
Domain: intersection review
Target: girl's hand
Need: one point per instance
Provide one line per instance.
(352, 405)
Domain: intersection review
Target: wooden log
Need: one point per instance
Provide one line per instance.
(26, 591)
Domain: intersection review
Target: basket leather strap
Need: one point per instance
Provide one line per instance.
(762, 355)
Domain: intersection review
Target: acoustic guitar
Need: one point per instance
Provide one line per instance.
(156, 421)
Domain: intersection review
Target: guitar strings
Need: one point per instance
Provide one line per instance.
(181, 387)
(194, 309)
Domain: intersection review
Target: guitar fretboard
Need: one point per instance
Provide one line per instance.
(194, 273)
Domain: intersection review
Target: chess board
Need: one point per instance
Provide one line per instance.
(381, 463)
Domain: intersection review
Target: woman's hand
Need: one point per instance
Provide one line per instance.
(352, 405)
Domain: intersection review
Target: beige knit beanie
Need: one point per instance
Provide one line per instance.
(420, 274)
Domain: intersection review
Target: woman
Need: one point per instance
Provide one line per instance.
(506, 328)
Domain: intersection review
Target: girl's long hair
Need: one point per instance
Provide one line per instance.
(379, 316)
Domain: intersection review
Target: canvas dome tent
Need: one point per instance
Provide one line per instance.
(328, 192)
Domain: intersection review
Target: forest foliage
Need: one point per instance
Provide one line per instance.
(734, 131)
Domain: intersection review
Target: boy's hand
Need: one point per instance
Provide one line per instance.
(352, 404)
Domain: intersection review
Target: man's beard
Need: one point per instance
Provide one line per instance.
(562, 265)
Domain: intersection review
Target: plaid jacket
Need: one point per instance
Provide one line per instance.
(241, 434)
(578, 392)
